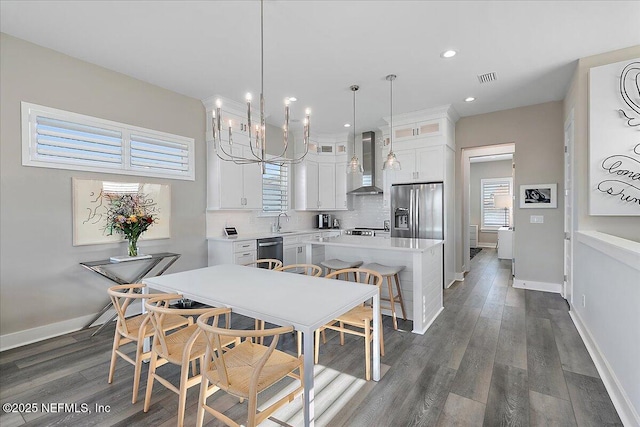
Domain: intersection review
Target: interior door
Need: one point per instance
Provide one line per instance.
(568, 210)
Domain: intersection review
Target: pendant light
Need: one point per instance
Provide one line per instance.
(258, 147)
(392, 162)
(354, 165)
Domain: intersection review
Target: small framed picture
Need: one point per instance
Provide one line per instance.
(539, 196)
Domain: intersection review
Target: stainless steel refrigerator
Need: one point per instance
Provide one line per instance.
(417, 210)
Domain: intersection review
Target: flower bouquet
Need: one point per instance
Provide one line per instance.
(129, 215)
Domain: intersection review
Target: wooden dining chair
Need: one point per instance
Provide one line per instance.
(268, 263)
(180, 347)
(245, 370)
(358, 320)
(309, 270)
(135, 329)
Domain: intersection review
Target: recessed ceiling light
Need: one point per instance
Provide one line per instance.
(293, 99)
(469, 99)
(448, 54)
(347, 125)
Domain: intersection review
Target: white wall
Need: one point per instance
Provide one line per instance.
(41, 281)
(609, 320)
(607, 276)
(477, 172)
(538, 134)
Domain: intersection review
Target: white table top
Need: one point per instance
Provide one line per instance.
(278, 297)
(383, 243)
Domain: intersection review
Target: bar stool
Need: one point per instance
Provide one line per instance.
(388, 272)
(338, 264)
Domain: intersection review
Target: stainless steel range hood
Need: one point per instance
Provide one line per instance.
(369, 166)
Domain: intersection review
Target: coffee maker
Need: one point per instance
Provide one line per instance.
(323, 221)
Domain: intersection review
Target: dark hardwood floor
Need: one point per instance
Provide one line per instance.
(495, 356)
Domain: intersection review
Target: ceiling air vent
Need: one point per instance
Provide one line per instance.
(486, 78)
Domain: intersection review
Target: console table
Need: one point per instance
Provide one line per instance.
(100, 267)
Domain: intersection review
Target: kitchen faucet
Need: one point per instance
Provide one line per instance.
(278, 226)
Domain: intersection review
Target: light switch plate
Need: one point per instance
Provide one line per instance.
(536, 219)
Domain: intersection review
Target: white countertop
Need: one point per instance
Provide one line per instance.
(384, 243)
(267, 234)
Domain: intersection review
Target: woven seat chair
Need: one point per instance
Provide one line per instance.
(245, 370)
(180, 348)
(309, 270)
(268, 263)
(134, 329)
(357, 318)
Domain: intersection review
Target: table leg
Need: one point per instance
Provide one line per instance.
(308, 379)
(376, 337)
(97, 316)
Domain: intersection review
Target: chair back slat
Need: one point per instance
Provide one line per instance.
(268, 263)
(307, 269)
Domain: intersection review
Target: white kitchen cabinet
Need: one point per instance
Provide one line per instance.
(233, 186)
(232, 252)
(316, 187)
(341, 182)
(420, 129)
(327, 186)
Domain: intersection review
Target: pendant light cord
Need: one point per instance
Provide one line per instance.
(354, 122)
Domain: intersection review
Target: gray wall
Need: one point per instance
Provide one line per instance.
(578, 100)
(538, 134)
(41, 281)
(479, 171)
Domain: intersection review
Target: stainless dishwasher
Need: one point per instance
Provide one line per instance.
(271, 248)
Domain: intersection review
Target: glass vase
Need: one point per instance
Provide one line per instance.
(133, 245)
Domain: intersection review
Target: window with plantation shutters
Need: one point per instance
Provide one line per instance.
(60, 139)
(275, 188)
(494, 217)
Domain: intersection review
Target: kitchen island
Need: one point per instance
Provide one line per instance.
(421, 280)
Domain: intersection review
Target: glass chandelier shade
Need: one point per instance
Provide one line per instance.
(257, 134)
(391, 163)
(354, 165)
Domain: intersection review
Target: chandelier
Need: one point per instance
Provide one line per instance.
(354, 165)
(257, 136)
(392, 162)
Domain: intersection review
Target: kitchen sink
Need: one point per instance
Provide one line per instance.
(285, 232)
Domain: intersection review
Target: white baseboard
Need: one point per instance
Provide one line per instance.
(486, 245)
(40, 333)
(428, 325)
(621, 401)
(459, 277)
(537, 286)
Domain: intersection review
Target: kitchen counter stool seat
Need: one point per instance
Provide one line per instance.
(395, 297)
(338, 264)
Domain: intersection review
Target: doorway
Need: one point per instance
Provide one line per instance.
(495, 151)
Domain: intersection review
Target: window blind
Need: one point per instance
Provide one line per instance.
(63, 141)
(275, 188)
(492, 217)
(60, 139)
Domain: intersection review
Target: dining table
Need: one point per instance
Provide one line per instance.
(282, 298)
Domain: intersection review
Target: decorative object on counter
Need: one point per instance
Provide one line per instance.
(392, 162)
(258, 146)
(354, 165)
(538, 196)
(503, 201)
(129, 214)
(90, 208)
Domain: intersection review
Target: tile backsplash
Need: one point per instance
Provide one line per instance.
(366, 211)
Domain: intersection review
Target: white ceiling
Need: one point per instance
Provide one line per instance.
(316, 49)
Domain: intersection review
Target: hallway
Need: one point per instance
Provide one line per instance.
(496, 356)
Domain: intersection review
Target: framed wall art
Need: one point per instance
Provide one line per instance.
(90, 208)
(539, 196)
(614, 139)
